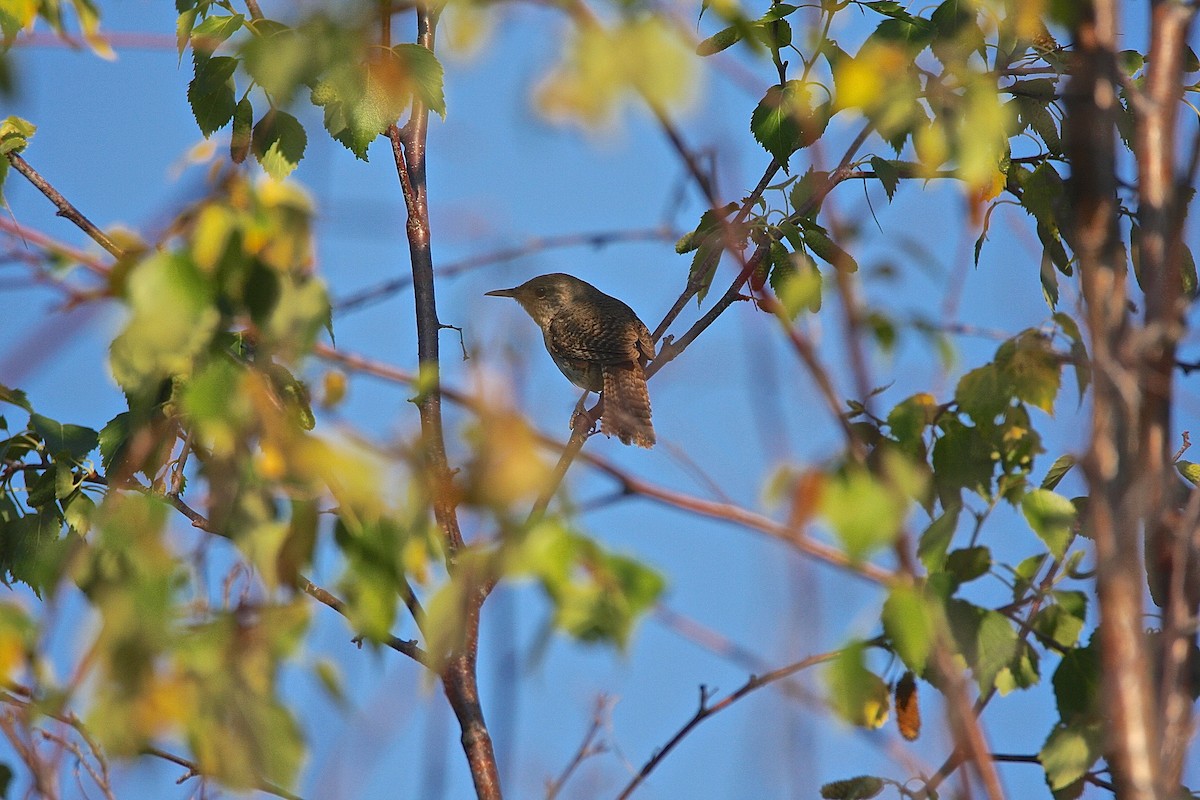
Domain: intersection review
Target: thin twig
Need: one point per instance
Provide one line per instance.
(587, 748)
(706, 710)
(65, 209)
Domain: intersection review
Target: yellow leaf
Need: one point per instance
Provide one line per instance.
(601, 66)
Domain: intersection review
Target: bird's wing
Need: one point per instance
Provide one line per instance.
(590, 334)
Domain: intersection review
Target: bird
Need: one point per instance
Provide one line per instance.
(599, 343)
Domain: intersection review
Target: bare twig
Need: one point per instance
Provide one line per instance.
(706, 710)
(65, 209)
(587, 748)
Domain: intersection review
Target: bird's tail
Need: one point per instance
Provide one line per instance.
(627, 404)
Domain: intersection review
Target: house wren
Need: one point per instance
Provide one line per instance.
(598, 343)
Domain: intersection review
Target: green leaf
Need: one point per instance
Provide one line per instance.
(1021, 672)
(795, 280)
(425, 75)
(719, 41)
(210, 93)
(1069, 752)
(983, 394)
(72, 441)
(1062, 622)
(962, 458)
(856, 694)
(1033, 369)
(803, 195)
(1190, 471)
(888, 174)
(863, 787)
(78, 513)
(968, 563)
(213, 31)
(183, 29)
(172, 321)
(15, 134)
(985, 638)
(935, 540)
(825, 249)
(112, 439)
(785, 120)
(1077, 684)
(14, 397)
(243, 120)
(909, 625)
(1052, 518)
(864, 513)
(1058, 470)
(278, 141)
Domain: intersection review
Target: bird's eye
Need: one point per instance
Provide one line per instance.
(541, 291)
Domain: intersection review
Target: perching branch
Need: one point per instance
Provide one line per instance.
(459, 671)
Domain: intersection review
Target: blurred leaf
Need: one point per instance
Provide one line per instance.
(172, 319)
(908, 707)
(1062, 622)
(600, 66)
(982, 393)
(864, 513)
(909, 625)
(856, 694)
(214, 30)
(1021, 672)
(985, 638)
(795, 280)
(968, 563)
(1033, 369)
(935, 540)
(962, 458)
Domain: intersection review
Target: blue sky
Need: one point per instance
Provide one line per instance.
(736, 406)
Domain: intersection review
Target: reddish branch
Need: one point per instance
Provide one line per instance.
(458, 674)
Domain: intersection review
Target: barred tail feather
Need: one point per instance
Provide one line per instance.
(627, 405)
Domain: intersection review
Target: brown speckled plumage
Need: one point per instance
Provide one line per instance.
(598, 343)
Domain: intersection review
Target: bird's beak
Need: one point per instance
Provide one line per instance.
(502, 292)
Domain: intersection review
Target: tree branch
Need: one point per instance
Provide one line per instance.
(459, 670)
(65, 209)
(705, 711)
